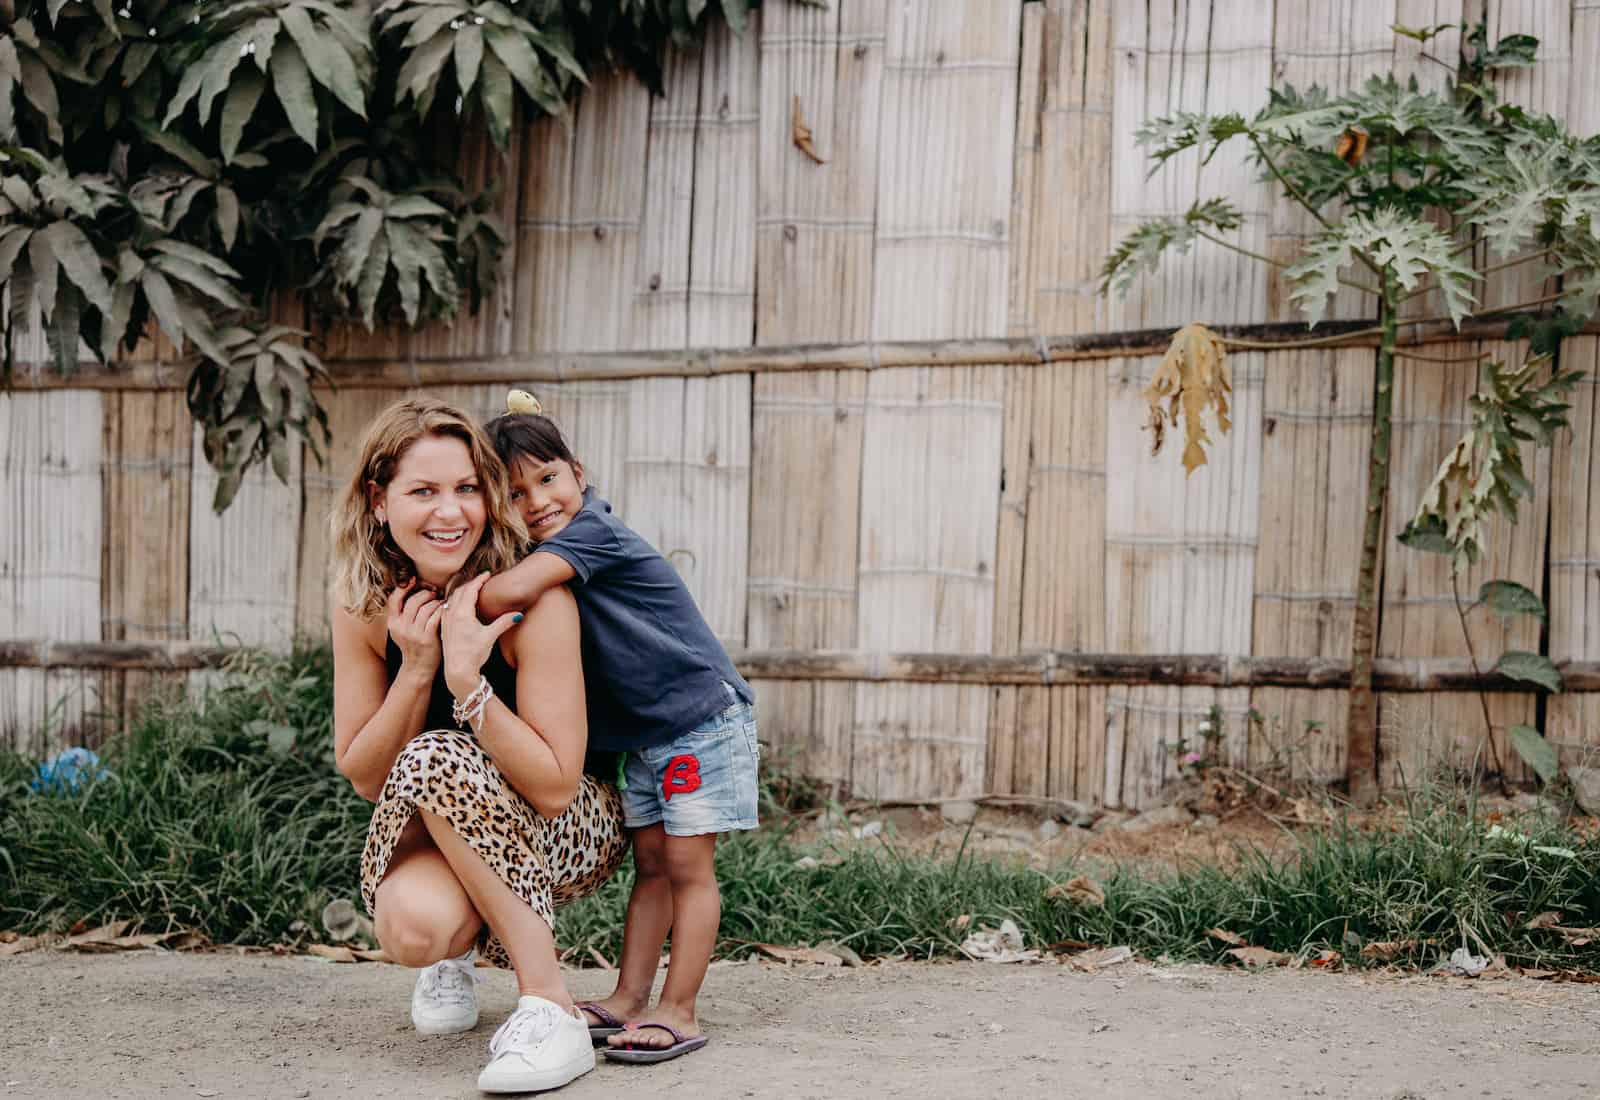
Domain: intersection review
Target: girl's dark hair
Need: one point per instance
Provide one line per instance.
(516, 436)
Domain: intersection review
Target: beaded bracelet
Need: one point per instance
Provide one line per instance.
(469, 711)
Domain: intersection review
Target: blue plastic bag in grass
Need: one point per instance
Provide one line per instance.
(67, 771)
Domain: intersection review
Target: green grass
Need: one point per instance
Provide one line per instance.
(231, 820)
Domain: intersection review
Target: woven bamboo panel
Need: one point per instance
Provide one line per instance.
(1419, 613)
(1063, 221)
(722, 253)
(1334, 46)
(1179, 569)
(688, 487)
(1025, 169)
(1573, 721)
(657, 290)
(244, 565)
(926, 577)
(1315, 440)
(818, 217)
(1188, 56)
(944, 177)
(582, 195)
(50, 556)
(1049, 578)
(805, 513)
(1048, 741)
(1544, 88)
(145, 572)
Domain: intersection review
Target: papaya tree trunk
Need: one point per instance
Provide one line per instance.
(1361, 762)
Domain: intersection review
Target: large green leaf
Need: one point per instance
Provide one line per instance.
(1536, 752)
(326, 59)
(1508, 599)
(12, 240)
(46, 269)
(227, 53)
(422, 69)
(227, 215)
(405, 253)
(1530, 668)
(469, 53)
(372, 278)
(163, 303)
(237, 109)
(495, 93)
(10, 74)
(80, 261)
(292, 85)
(40, 91)
(353, 255)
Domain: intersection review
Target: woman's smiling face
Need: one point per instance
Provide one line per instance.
(434, 507)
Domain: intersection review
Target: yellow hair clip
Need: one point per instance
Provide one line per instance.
(523, 403)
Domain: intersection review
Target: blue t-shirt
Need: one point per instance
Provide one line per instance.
(652, 668)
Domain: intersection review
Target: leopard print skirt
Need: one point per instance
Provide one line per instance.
(547, 862)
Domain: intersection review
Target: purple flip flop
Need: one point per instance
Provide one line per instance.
(681, 1045)
(609, 1024)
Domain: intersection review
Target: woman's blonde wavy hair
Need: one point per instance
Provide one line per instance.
(367, 563)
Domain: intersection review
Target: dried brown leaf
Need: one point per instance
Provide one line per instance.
(371, 955)
(1226, 937)
(1548, 919)
(1081, 890)
(1260, 956)
(332, 953)
(1100, 958)
(24, 943)
(1576, 937)
(1191, 378)
(1386, 950)
(96, 939)
(790, 955)
(802, 135)
(603, 962)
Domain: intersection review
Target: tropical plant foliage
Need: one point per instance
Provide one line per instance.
(1405, 184)
(183, 162)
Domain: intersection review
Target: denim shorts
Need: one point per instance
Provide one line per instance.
(702, 782)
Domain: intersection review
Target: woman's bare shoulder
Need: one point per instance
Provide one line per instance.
(348, 628)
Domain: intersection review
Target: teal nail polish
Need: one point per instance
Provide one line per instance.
(517, 618)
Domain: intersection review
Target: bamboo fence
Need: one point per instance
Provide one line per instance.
(875, 412)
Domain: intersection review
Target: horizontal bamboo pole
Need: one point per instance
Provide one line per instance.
(1052, 668)
(708, 362)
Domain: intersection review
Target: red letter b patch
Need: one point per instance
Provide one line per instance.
(683, 776)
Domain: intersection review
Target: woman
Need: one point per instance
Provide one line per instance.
(476, 836)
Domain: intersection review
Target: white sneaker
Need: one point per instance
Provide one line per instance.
(539, 1047)
(445, 1000)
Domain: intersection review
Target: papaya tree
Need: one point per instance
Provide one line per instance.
(1403, 184)
(178, 164)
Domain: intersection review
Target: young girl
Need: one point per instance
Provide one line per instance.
(662, 691)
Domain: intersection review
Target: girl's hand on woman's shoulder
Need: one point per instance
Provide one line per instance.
(468, 642)
(414, 614)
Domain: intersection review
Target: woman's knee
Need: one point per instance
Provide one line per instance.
(421, 934)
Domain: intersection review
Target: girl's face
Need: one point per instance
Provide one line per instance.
(434, 507)
(548, 494)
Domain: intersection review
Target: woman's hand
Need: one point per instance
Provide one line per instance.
(467, 642)
(413, 621)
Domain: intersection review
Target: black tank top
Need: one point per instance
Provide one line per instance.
(503, 679)
(501, 676)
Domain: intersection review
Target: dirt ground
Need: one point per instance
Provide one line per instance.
(155, 1024)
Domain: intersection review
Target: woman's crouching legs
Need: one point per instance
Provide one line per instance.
(525, 934)
(421, 914)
